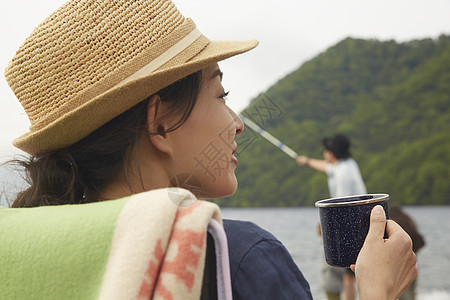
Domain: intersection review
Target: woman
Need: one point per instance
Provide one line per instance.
(125, 97)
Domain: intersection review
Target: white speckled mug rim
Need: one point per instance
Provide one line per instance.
(352, 200)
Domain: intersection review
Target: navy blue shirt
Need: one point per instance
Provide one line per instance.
(261, 267)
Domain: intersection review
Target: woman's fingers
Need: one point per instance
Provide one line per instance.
(385, 267)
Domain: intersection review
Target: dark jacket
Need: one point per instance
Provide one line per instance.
(261, 267)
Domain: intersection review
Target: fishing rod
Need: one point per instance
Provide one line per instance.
(269, 137)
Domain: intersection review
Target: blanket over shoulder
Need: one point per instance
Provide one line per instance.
(146, 246)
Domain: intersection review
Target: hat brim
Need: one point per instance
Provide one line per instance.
(84, 119)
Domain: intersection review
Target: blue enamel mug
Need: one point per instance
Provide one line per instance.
(344, 222)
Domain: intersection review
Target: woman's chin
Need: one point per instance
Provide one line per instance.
(219, 190)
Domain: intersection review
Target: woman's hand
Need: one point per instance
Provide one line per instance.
(385, 267)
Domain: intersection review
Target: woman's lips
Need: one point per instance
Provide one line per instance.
(233, 158)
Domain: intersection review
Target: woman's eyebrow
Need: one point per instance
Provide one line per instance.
(217, 72)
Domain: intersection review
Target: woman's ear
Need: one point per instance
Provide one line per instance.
(156, 125)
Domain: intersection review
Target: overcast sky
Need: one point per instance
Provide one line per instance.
(290, 32)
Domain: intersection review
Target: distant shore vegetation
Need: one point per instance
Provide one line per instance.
(393, 101)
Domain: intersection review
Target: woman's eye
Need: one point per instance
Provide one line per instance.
(224, 96)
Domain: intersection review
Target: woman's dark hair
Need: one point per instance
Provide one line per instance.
(78, 173)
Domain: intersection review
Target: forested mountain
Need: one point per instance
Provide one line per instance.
(392, 100)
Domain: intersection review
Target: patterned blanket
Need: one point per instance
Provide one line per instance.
(147, 246)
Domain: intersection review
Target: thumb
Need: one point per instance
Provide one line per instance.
(377, 223)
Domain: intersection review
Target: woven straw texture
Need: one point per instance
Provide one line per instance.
(74, 49)
(67, 74)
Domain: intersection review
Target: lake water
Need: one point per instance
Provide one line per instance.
(296, 229)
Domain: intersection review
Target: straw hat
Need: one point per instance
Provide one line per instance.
(91, 60)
